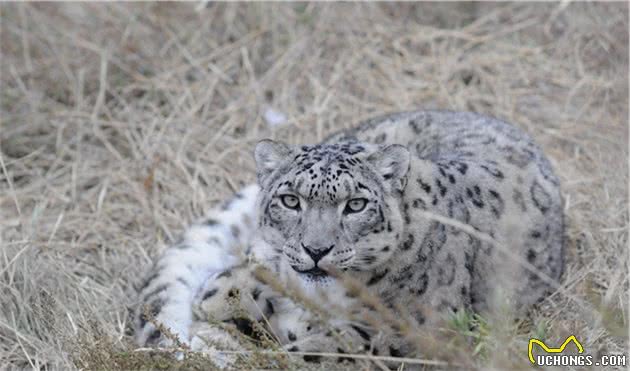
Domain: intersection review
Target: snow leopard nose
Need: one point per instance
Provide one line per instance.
(317, 254)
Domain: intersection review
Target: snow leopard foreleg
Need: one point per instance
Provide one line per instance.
(206, 250)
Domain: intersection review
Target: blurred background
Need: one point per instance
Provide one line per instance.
(121, 123)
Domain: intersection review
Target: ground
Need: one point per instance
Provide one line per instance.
(122, 123)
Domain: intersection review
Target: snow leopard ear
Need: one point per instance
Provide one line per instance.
(269, 156)
(392, 163)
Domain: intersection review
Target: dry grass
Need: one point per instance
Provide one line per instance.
(121, 123)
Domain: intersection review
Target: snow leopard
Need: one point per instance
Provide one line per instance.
(421, 214)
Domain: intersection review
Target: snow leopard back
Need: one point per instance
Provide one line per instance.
(485, 173)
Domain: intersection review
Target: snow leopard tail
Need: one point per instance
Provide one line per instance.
(207, 248)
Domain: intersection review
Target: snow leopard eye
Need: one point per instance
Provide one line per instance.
(355, 205)
(290, 201)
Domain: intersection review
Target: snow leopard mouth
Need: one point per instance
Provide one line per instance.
(314, 273)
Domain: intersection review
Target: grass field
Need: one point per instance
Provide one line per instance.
(122, 123)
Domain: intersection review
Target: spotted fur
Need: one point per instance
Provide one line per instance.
(359, 204)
